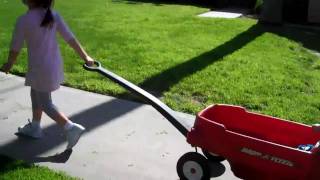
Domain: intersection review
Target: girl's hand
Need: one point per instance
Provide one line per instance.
(6, 67)
(11, 61)
(89, 61)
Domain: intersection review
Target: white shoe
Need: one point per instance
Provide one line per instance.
(73, 135)
(30, 131)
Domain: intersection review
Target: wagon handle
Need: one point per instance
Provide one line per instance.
(95, 67)
(167, 112)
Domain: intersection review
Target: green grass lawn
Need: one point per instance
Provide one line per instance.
(11, 169)
(190, 62)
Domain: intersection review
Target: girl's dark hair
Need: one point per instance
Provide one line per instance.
(48, 19)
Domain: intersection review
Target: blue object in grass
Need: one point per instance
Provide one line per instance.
(305, 147)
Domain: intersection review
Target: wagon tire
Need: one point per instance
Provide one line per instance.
(193, 166)
(213, 157)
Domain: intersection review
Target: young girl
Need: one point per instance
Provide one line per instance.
(38, 28)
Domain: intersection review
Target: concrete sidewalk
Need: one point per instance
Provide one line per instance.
(124, 140)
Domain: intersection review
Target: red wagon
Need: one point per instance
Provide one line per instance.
(256, 146)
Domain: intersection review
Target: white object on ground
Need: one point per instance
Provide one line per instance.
(220, 14)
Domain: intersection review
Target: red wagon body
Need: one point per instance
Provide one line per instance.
(257, 146)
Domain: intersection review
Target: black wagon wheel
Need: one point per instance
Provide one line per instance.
(213, 157)
(193, 166)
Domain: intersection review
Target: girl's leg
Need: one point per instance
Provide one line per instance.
(33, 129)
(60, 118)
(51, 110)
(73, 130)
(36, 108)
(37, 114)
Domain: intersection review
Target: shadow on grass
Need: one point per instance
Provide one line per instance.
(201, 4)
(9, 164)
(308, 37)
(236, 4)
(163, 81)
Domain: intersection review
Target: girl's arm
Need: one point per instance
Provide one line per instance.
(82, 53)
(12, 58)
(68, 36)
(16, 45)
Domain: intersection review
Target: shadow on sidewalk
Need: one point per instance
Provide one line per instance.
(30, 149)
(57, 158)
